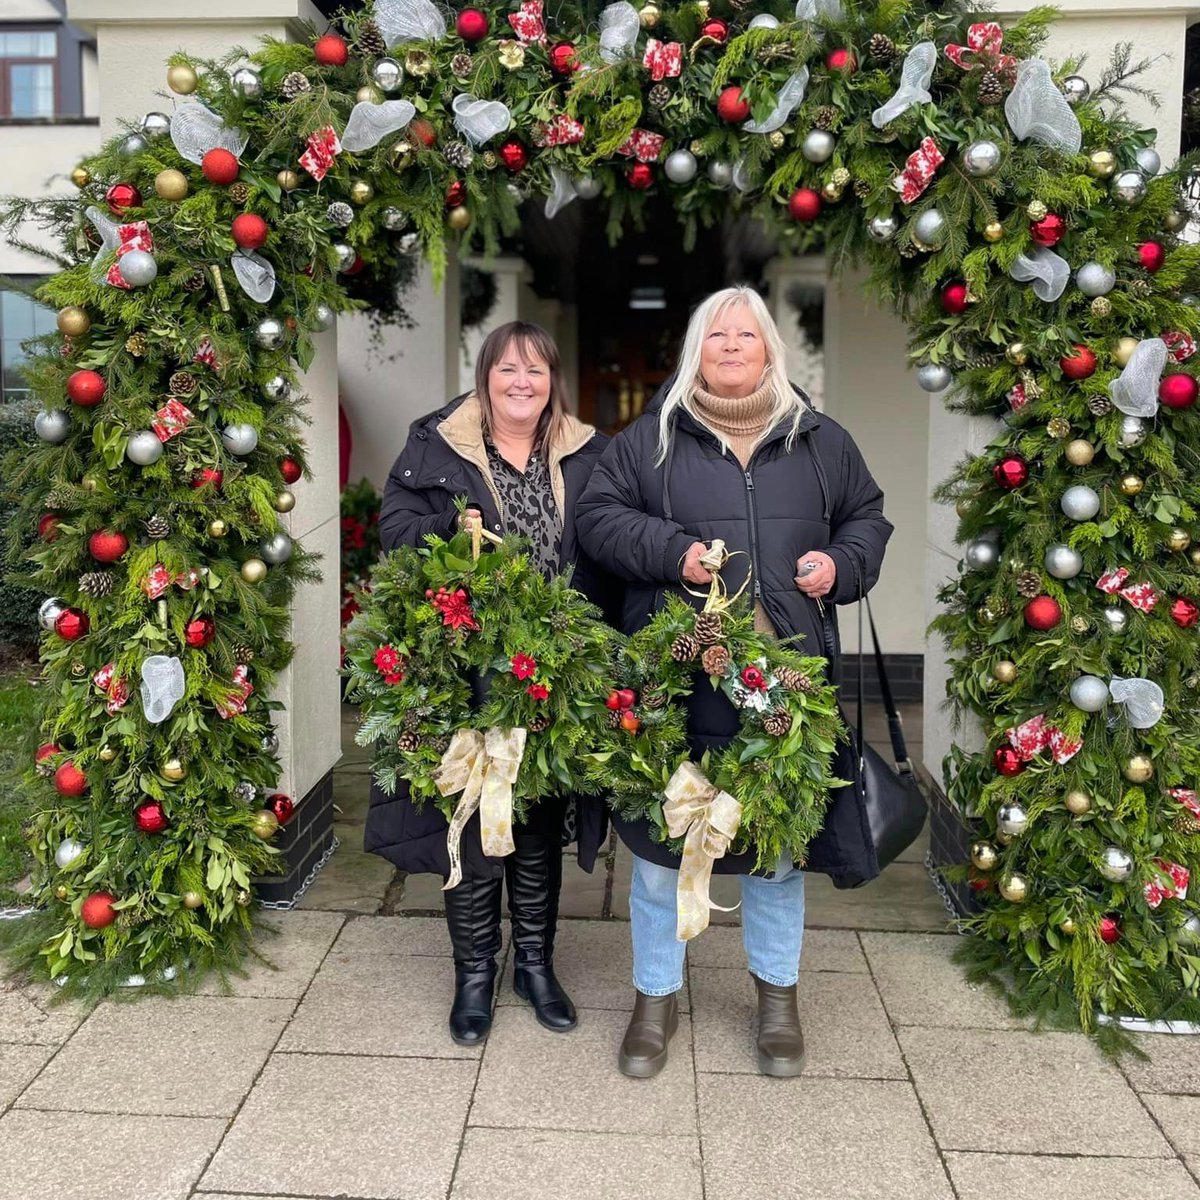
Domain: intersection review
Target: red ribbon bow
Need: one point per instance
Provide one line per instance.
(984, 45)
(1142, 596)
(527, 22)
(323, 148)
(134, 236)
(114, 687)
(235, 704)
(1180, 345)
(173, 418)
(205, 354)
(558, 131)
(664, 60)
(1173, 887)
(1033, 736)
(642, 145)
(1186, 797)
(919, 170)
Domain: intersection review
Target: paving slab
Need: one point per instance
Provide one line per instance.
(90, 1156)
(1173, 1066)
(351, 881)
(422, 893)
(195, 1056)
(1031, 1093)
(18, 1067)
(824, 950)
(534, 1079)
(1035, 1177)
(516, 1164)
(329, 1126)
(583, 893)
(846, 1032)
(28, 1016)
(903, 897)
(816, 1139)
(373, 936)
(1179, 1117)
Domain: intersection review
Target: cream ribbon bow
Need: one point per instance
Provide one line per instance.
(484, 767)
(707, 820)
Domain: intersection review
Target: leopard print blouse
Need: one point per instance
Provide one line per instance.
(527, 505)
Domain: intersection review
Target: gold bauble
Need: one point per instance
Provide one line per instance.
(369, 94)
(192, 899)
(217, 528)
(418, 63)
(984, 856)
(243, 898)
(79, 668)
(1178, 540)
(62, 892)
(172, 770)
(402, 155)
(777, 139)
(1005, 671)
(1139, 769)
(993, 231)
(1124, 350)
(832, 192)
(1077, 802)
(1080, 452)
(962, 505)
(107, 753)
(81, 176)
(459, 218)
(1005, 839)
(285, 501)
(361, 192)
(182, 79)
(1101, 307)
(1017, 353)
(171, 184)
(1014, 888)
(1035, 210)
(1194, 555)
(265, 824)
(287, 179)
(1080, 624)
(1068, 926)
(1101, 163)
(649, 14)
(90, 483)
(254, 570)
(1131, 484)
(73, 321)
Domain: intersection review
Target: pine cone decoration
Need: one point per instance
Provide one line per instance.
(137, 345)
(58, 498)
(182, 384)
(440, 744)
(793, 680)
(862, 189)
(881, 47)
(653, 696)
(684, 648)
(194, 281)
(1080, 624)
(158, 527)
(489, 160)
(408, 742)
(991, 88)
(824, 117)
(560, 622)
(1099, 406)
(659, 96)
(778, 722)
(295, 83)
(715, 660)
(1186, 823)
(539, 723)
(239, 193)
(708, 628)
(1029, 584)
(614, 720)
(412, 720)
(371, 42)
(243, 653)
(339, 213)
(96, 583)
(461, 65)
(1140, 289)
(459, 155)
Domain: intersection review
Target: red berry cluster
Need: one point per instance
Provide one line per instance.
(622, 700)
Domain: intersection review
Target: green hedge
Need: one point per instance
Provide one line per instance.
(18, 604)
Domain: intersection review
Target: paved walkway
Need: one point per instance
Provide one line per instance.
(333, 1077)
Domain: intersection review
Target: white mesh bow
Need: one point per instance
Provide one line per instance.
(409, 21)
(370, 123)
(915, 77)
(742, 179)
(162, 686)
(196, 130)
(1047, 271)
(561, 194)
(110, 239)
(254, 274)
(619, 26)
(1036, 109)
(1143, 700)
(479, 120)
(790, 97)
(1135, 390)
(812, 10)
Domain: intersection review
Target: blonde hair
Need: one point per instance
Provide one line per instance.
(785, 400)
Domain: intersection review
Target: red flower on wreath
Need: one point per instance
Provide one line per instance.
(390, 663)
(539, 691)
(523, 666)
(754, 679)
(455, 608)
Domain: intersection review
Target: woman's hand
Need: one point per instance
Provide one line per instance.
(820, 580)
(469, 511)
(691, 570)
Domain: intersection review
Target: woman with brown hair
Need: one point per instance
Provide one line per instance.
(514, 453)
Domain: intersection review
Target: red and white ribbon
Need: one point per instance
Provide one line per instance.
(115, 688)
(985, 40)
(173, 418)
(559, 131)
(1173, 887)
(1031, 737)
(1017, 397)
(134, 236)
(157, 580)
(642, 145)
(235, 704)
(1142, 596)
(1180, 345)
(323, 148)
(919, 170)
(1186, 797)
(527, 22)
(664, 60)
(205, 354)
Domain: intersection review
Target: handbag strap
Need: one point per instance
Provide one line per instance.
(895, 721)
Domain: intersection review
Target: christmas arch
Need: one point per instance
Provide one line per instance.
(1007, 209)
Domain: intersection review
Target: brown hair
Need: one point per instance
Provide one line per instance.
(531, 342)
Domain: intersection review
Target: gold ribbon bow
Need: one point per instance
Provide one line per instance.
(484, 767)
(707, 819)
(717, 599)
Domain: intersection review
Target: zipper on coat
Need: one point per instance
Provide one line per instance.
(753, 533)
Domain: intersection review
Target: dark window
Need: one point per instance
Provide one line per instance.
(28, 73)
(20, 318)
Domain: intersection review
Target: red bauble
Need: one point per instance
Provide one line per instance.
(1049, 230)
(219, 166)
(1151, 255)
(627, 697)
(841, 60)
(69, 780)
(1010, 472)
(954, 298)
(1110, 929)
(1043, 613)
(46, 750)
(208, 475)
(199, 631)
(1079, 365)
(613, 702)
(282, 806)
(423, 131)
(456, 194)
(121, 197)
(150, 817)
(1008, 761)
(331, 51)
(106, 546)
(640, 176)
(471, 25)
(1177, 391)
(513, 155)
(47, 527)
(289, 468)
(85, 388)
(732, 106)
(1184, 613)
(805, 205)
(250, 231)
(356, 266)
(564, 58)
(72, 624)
(716, 29)
(97, 910)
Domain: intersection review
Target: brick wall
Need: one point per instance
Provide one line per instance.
(301, 842)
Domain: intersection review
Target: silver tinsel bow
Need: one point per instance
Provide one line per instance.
(1143, 700)
(479, 120)
(619, 26)
(1036, 109)
(1047, 271)
(915, 77)
(196, 130)
(162, 686)
(1135, 390)
(561, 194)
(370, 123)
(254, 274)
(790, 97)
(409, 21)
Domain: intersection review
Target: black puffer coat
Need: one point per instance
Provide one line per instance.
(444, 459)
(638, 520)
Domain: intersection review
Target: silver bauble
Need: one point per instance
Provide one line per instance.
(1076, 89)
(934, 377)
(1129, 188)
(587, 187)
(1011, 820)
(1080, 502)
(143, 448)
(276, 548)
(68, 851)
(323, 317)
(346, 256)
(818, 146)
(1089, 693)
(764, 21)
(247, 82)
(680, 166)
(277, 388)
(239, 439)
(1189, 300)
(270, 742)
(1189, 931)
(1148, 161)
(393, 219)
(269, 333)
(1116, 865)
(246, 792)
(981, 554)
(930, 227)
(720, 172)
(981, 158)
(1093, 279)
(1063, 562)
(51, 609)
(387, 75)
(133, 143)
(138, 268)
(52, 425)
(155, 125)
(1133, 432)
(339, 213)
(882, 229)
(1116, 620)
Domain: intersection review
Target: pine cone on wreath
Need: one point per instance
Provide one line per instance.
(991, 88)
(408, 742)
(659, 96)
(881, 47)
(614, 720)
(412, 720)
(715, 660)
(684, 648)
(295, 83)
(653, 696)
(1140, 289)
(539, 723)
(194, 280)
(778, 722)
(824, 117)
(371, 43)
(462, 65)
(560, 622)
(863, 189)
(1029, 584)
(440, 744)
(708, 630)
(908, 249)
(137, 345)
(1186, 823)
(158, 527)
(239, 193)
(182, 383)
(793, 680)
(1099, 406)
(459, 155)
(96, 583)
(243, 653)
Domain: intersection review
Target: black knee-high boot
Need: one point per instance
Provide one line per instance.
(473, 915)
(534, 873)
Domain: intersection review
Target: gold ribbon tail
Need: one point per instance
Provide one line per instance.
(461, 770)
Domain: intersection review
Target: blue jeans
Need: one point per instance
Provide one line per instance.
(772, 926)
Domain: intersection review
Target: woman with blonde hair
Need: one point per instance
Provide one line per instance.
(729, 449)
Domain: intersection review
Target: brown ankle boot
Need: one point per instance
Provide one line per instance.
(780, 1039)
(653, 1024)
